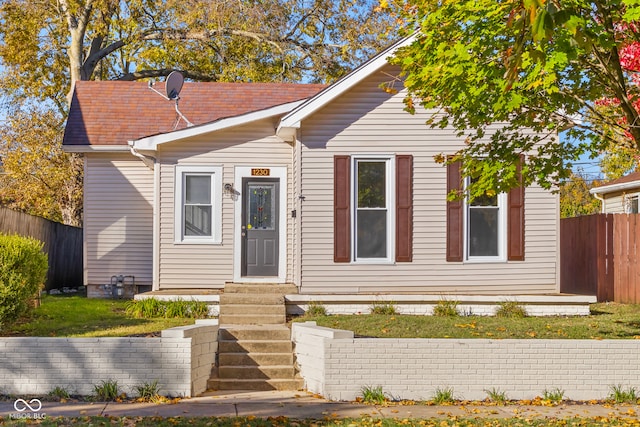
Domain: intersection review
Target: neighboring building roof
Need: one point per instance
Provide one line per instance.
(624, 183)
(111, 113)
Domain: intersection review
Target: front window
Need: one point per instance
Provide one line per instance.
(485, 224)
(198, 204)
(372, 204)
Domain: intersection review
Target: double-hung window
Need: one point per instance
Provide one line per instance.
(373, 218)
(373, 208)
(198, 204)
(488, 228)
(485, 224)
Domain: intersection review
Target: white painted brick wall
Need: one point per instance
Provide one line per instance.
(38, 365)
(337, 366)
(536, 305)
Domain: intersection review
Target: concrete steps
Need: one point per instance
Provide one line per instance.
(260, 385)
(254, 344)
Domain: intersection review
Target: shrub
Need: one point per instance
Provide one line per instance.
(621, 395)
(497, 396)
(387, 308)
(511, 309)
(373, 395)
(315, 308)
(23, 270)
(150, 307)
(59, 393)
(555, 395)
(148, 391)
(443, 396)
(176, 308)
(446, 308)
(145, 308)
(106, 391)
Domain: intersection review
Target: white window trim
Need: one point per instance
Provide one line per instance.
(276, 172)
(627, 200)
(216, 200)
(502, 232)
(391, 208)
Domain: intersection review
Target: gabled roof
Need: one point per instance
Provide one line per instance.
(626, 182)
(293, 119)
(151, 142)
(108, 114)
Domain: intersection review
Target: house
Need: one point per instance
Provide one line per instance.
(619, 195)
(333, 189)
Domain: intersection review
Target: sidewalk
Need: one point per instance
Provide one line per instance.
(301, 405)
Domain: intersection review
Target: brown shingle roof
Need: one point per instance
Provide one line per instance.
(114, 112)
(626, 182)
(634, 176)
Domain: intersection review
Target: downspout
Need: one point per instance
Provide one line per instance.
(598, 197)
(150, 162)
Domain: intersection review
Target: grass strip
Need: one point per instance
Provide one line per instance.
(607, 321)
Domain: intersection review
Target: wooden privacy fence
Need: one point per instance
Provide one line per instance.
(62, 243)
(599, 255)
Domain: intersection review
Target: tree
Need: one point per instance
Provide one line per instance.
(575, 199)
(618, 160)
(524, 64)
(45, 47)
(39, 178)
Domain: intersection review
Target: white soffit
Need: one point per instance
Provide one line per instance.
(605, 189)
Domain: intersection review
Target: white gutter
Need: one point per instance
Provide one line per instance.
(615, 187)
(147, 160)
(95, 148)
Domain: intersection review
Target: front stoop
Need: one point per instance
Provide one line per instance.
(255, 351)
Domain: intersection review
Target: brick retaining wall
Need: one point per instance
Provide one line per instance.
(337, 365)
(180, 360)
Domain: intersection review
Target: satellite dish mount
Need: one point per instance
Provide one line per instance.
(173, 86)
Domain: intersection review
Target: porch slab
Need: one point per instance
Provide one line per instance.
(423, 304)
(212, 296)
(416, 304)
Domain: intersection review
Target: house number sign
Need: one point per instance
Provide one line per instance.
(260, 172)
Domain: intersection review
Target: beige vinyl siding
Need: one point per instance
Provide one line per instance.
(184, 265)
(118, 212)
(614, 202)
(366, 120)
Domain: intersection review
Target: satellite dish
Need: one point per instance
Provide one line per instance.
(173, 84)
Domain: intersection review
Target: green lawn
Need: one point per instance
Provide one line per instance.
(78, 316)
(607, 321)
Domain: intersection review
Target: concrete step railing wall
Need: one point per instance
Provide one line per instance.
(180, 360)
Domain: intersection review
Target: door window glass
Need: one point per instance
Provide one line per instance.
(261, 207)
